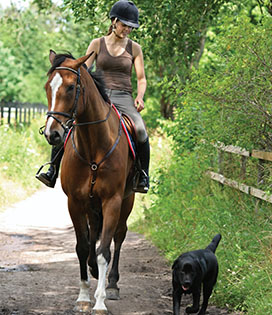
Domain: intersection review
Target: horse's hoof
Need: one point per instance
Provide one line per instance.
(100, 312)
(83, 307)
(112, 294)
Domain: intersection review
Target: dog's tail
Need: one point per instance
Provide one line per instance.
(214, 243)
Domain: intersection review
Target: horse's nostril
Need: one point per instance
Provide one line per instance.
(54, 138)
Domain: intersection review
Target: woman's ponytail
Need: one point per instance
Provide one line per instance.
(110, 29)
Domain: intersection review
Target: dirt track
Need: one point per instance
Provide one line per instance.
(39, 271)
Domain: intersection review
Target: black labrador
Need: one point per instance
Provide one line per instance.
(190, 271)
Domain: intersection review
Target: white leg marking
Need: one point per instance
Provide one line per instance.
(55, 85)
(100, 293)
(84, 294)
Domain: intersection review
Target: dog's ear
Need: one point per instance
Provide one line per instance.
(175, 264)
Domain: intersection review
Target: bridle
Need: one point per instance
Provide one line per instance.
(66, 126)
(72, 116)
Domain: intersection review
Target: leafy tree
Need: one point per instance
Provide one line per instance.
(172, 33)
(30, 34)
(233, 103)
(10, 75)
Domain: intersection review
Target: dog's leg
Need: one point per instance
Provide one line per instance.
(176, 300)
(196, 299)
(207, 291)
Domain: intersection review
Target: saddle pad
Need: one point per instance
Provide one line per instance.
(131, 143)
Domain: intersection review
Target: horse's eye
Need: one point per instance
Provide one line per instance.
(70, 88)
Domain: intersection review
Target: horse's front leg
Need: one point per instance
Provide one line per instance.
(83, 303)
(119, 237)
(111, 212)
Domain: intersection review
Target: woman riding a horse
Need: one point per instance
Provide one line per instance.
(115, 54)
(97, 167)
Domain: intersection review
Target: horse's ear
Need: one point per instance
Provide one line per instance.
(81, 60)
(52, 55)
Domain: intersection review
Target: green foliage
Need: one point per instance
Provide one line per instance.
(227, 99)
(10, 75)
(231, 101)
(187, 210)
(151, 114)
(23, 151)
(29, 34)
(183, 24)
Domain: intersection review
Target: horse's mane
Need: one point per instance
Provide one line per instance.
(96, 76)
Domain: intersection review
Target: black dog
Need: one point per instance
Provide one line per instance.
(190, 271)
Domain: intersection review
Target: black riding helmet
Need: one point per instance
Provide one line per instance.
(126, 12)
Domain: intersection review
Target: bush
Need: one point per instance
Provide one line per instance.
(186, 212)
(23, 151)
(10, 75)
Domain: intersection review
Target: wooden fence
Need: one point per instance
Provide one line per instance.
(262, 157)
(16, 112)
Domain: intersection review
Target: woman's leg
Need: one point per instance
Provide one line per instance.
(144, 157)
(49, 178)
(125, 104)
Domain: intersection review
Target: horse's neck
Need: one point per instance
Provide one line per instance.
(96, 137)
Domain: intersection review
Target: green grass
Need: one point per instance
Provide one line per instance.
(185, 209)
(23, 151)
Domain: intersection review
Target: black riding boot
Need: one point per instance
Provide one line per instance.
(144, 157)
(49, 178)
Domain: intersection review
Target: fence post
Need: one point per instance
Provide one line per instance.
(260, 180)
(2, 115)
(9, 115)
(25, 115)
(220, 162)
(243, 167)
(20, 114)
(16, 114)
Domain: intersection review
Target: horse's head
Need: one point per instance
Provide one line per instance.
(63, 92)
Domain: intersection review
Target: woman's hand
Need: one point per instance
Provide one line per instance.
(139, 103)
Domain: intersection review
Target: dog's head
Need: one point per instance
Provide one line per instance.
(186, 272)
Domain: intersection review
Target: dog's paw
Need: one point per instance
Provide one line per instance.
(191, 310)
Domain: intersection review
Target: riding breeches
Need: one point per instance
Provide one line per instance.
(125, 104)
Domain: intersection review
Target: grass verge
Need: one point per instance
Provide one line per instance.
(185, 209)
(23, 151)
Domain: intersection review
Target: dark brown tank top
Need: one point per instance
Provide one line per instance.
(116, 70)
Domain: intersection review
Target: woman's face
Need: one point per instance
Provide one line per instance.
(122, 30)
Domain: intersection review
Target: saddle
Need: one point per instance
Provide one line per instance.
(130, 127)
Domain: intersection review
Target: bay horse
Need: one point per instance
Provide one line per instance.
(96, 172)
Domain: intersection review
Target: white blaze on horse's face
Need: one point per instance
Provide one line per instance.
(55, 85)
